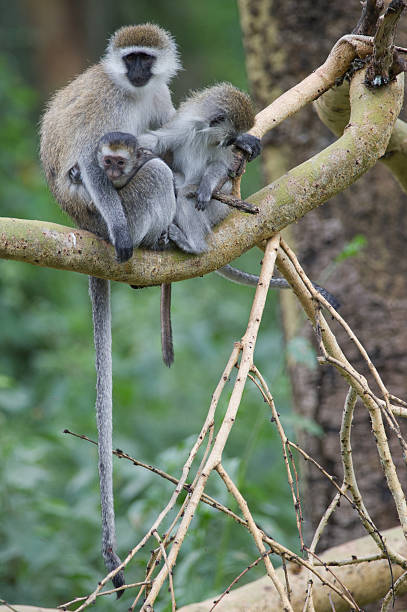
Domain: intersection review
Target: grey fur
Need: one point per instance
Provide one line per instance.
(99, 290)
(146, 190)
(100, 100)
(148, 198)
(198, 142)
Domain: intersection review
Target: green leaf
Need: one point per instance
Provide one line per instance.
(352, 248)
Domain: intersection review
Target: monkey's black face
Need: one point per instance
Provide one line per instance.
(139, 67)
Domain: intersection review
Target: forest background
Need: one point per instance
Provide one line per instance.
(49, 500)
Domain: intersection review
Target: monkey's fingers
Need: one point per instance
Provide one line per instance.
(249, 144)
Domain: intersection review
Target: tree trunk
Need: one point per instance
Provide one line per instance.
(285, 41)
(59, 52)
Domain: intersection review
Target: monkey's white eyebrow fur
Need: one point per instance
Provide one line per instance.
(106, 150)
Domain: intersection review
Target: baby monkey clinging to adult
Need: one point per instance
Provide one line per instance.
(145, 185)
(146, 189)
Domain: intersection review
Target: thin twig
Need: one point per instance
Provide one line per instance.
(232, 584)
(255, 531)
(230, 201)
(109, 592)
(164, 554)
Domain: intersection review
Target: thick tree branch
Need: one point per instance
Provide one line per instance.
(333, 109)
(374, 585)
(289, 198)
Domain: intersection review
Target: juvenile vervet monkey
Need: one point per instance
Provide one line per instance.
(199, 140)
(126, 91)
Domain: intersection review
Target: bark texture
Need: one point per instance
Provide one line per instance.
(285, 41)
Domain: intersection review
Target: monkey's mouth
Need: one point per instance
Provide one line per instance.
(139, 81)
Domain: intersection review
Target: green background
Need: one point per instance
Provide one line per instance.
(49, 499)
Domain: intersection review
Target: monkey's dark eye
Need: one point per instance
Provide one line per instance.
(108, 161)
(216, 120)
(120, 162)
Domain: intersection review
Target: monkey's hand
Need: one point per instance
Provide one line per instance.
(248, 144)
(123, 244)
(203, 196)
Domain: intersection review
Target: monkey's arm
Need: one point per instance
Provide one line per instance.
(107, 201)
(245, 278)
(215, 172)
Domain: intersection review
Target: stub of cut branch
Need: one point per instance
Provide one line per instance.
(283, 202)
(379, 70)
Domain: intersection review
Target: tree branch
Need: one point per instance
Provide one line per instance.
(375, 584)
(289, 198)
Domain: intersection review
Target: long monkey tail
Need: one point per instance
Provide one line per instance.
(167, 346)
(245, 278)
(99, 290)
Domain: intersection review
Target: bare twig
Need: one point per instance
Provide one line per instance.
(230, 201)
(247, 344)
(236, 580)
(164, 554)
(109, 592)
(397, 587)
(255, 531)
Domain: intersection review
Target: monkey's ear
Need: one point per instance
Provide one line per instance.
(218, 118)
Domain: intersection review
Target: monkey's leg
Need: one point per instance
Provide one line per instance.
(184, 243)
(107, 201)
(245, 278)
(99, 290)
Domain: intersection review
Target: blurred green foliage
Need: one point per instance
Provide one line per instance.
(49, 499)
(352, 248)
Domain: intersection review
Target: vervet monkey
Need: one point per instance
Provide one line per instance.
(199, 140)
(145, 185)
(126, 91)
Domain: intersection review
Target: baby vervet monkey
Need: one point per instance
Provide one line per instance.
(145, 185)
(146, 189)
(127, 91)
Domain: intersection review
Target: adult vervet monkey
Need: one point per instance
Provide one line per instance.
(126, 91)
